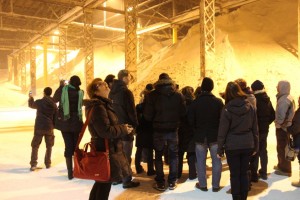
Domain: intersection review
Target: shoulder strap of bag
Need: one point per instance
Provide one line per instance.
(84, 127)
(83, 130)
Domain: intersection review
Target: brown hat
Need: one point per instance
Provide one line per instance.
(123, 73)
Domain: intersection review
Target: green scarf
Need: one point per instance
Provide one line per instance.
(65, 102)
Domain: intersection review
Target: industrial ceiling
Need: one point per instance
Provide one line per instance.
(27, 22)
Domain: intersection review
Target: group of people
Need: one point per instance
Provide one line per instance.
(174, 121)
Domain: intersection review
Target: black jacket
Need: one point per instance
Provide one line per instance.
(124, 106)
(238, 126)
(104, 124)
(265, 112)
(73, 124)
(204, 117)
(46, 110)
(294, 129)
(144, 130)
(185, 132)
(164, 106)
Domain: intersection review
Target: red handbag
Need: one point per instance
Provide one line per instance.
(92, 165)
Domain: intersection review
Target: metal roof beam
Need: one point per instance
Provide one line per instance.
(11, 14)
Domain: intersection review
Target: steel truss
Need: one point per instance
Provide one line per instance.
(89, 48)
(33, 69)
(62, 49)
(23, 70)
(207, 32)
(16, 70)
(10, 67)
(131, 37)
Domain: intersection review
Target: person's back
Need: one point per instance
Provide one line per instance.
(165, 107)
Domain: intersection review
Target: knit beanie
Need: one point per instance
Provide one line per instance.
(257, 85)
(207, 84)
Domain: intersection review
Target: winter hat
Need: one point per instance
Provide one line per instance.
(207, 84)
(123, 73)
(75, 81)
(257, 85)
(164, 76)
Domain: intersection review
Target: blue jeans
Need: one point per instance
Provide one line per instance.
(159, 140)
(201, 154)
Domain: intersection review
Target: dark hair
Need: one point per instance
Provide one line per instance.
(164, 76)
(93, 87)
(75, 81)
(233, 90)
(48, 91)
(242, 83)
(149, 87)
(188, 92)
(123, 73)
(109, 78)
(197, 91)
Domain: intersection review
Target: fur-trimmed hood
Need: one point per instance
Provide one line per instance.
(165, 86)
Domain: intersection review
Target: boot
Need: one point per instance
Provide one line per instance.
(236, 197)
(69, 163)
(244, 195)
(297, 183)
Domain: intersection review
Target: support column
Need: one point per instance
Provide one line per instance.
(45, 47)
(131, 37)
(33, 69)
(207, 32)
(89, 48)
(23, 70)
(175, 33)
(62, 51)
(10, 67)
(16, 70)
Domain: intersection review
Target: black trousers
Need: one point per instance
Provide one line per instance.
(282, 140)
(262, 156)
(238, 161)
(100, 191)
(70, 139)
(138, 158)
(191, 158)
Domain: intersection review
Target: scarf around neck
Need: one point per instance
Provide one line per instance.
(65, 102)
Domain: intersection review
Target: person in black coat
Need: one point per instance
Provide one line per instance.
(294, 129)
(238, 137)
(144, 137)
(69, 121)
(43, 126)
(103, 125)
(165, 107)
(265, 116)
(204, 117)
(185, 135)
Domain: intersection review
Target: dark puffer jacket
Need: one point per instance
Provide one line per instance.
(204, 117)
(294, 129)
(238, 126)
(144, 130)
(124, 106)
(165, 107)
(73, 124)
(104, 124)
(46, 110)
(265, 112)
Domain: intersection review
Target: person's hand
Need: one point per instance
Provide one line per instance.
(30, 94)
(129, 128)
(254, 153)
(220, 155)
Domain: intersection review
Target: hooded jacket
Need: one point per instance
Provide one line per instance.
(46, 110)
(124, 106)
(265, 111)
(285, 107)
(238, 126)
(164, 106)
(104, 124)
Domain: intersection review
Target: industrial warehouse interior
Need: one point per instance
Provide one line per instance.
(44, 41)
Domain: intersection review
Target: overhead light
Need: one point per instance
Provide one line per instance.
(56, 32)
(129, 9)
